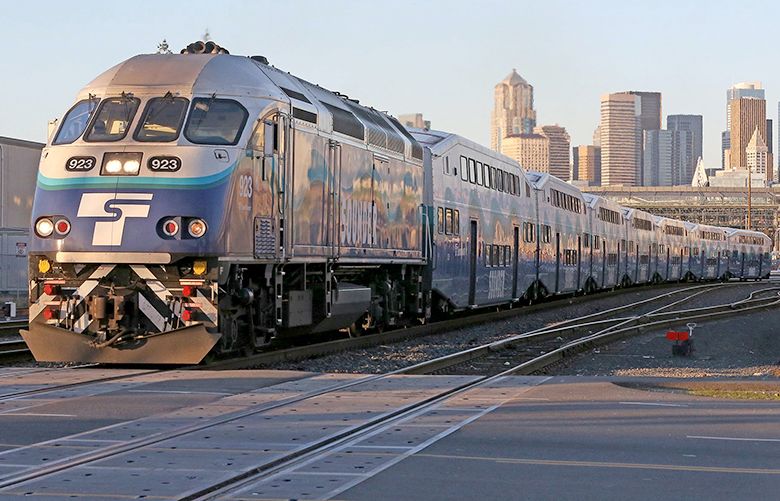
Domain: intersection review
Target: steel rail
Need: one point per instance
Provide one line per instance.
(269, 467)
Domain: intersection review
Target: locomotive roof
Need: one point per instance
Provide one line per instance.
(239, 76)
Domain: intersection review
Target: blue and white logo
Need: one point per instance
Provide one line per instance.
(116, 207)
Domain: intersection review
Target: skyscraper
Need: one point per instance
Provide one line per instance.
(741, 90)
(752, 90)
(531, 151)
(587, 164)
(666, 158)
(770, 156)
(513, 109)
(620, 139)
(756, 153)
(559, 145)
(693, 125)
(747, 115)
(649, 109)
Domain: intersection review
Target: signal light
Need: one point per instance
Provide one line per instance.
(51, 289)
(170, 227)
(187, 315)
(188, 291)
(199, 267)
(44, 265)
(44, 227)
(62, 227)
(196, 228)
(50, 313)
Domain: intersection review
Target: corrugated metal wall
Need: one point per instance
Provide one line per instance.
(13, 262)
(18, 171)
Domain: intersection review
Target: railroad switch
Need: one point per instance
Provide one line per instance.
(683, 341)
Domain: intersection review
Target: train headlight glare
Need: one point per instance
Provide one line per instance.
(131, 166)
(196, 228)
(44, 265)
(44, 227)
(113, 166)
(199, 267)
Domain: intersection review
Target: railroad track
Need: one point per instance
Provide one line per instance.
(602, 318)
(266, 469)
(13, 350)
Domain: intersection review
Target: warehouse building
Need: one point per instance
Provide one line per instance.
(18, 171)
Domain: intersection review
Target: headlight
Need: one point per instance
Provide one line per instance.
(196, 228)
(121, 164)
(113, 166)
(131, 166)
(44, 227)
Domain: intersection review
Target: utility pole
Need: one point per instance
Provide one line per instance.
(750, 198)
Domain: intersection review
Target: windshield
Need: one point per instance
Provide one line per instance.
(113, 118)
(215, 121)
(162, 119)
(76, 121)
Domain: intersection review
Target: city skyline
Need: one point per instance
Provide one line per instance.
(569, 53)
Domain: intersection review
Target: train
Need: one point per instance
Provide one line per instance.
(199, 204)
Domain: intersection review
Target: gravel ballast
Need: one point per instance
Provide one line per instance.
(386, 358)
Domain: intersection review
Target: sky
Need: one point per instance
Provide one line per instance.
(440, 58)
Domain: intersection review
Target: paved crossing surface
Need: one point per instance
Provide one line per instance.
(165, 435)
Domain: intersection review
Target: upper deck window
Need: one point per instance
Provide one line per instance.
(215, 121)
(162, 119)
(113, 119)
(76, 121)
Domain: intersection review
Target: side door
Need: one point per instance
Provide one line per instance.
(264, 186)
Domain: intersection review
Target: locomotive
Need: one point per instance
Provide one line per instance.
(203, 202)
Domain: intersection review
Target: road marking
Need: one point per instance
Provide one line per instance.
(656, 404)
(600, 464)
(735, 439)
(180, 392)
(36, 414)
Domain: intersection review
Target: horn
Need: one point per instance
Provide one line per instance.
(196, 47)
(210, 48)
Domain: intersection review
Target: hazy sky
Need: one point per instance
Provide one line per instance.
(441, 58)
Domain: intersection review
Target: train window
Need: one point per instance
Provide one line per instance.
(493, 181)
(547, 235)
(527, 190)
(585, 240)
(448, 221)
(162, 119)
(631, 246)
(447, 165)
(508, 255)
(488, 255)
(440, 219)
(112, 119)
(596, 241)
(472, 171)
(528, 232)
(464, 169)
(695, 251)
(455, 222)
(486, 175)
(215, 121)
(75, 121)
(479, 173)
(499, 180)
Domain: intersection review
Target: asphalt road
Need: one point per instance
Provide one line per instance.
(556, 438)
(586, 438)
